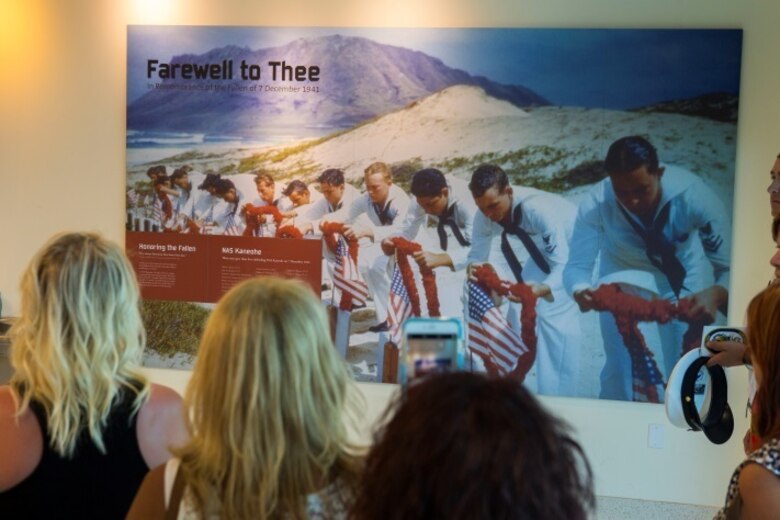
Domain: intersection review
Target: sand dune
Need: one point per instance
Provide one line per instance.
(457, 127)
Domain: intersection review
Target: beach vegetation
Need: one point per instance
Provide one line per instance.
(173, 327)
(583, 174)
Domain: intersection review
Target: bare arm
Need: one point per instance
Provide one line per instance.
(21, 442)
(160, 425)
(760, 491)
(149, 503)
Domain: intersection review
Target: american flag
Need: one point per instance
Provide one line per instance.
(157, 211)
(400, 306)
(490, 336)
(231, 226)
(648, 383)
(133, 198)
(346, 276)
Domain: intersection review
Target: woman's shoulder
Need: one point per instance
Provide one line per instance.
(767, 456)
(759, 488)
(21, 441)
(160, 424)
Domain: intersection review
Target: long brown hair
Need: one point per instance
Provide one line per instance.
(763, 330)
(467, 446)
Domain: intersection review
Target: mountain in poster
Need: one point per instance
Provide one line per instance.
(360, 79)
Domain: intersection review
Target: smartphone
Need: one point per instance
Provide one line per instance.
(430, 346)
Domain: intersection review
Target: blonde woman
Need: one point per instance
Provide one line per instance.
(267, 401)
(79, 424)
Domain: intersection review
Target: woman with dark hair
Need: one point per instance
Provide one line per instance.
(467, 446)
(754, 490)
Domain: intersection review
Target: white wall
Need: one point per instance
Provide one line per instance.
(62, 122)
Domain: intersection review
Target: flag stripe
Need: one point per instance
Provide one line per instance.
(346, 276)
(490, 335)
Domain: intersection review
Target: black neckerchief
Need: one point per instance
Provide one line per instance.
(659, 249)
(385, 218)
(513, 228)
(448, 219)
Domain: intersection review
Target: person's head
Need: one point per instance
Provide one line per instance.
(332, 185)
(492, 193)
(210, 183)
(180, 178)
(430, 189)
(632, 166)
(265, 186)
(774, 188)
(464, 445)
(226, 190)
(80, 338)
(298, 193)
(156, 171)
(379, 178)
(763, 331)
(267, 400)
(163, 180)
(775, 260)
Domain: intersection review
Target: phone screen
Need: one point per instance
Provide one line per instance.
(432, 353)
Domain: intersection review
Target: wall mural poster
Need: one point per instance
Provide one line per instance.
(429, 171)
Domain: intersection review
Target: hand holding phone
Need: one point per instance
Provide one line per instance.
(430, 346)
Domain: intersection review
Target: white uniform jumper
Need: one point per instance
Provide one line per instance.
(686, 250)
(230, 220)
(385, 222)
(318, 209)
(452, 235)
(545, 222)
(282, 203)
(322, 210)
(184, 196)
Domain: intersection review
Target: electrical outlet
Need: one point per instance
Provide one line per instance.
(655, 436)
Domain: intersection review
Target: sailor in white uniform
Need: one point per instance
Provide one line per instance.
(203, 205)
(184, 182)
(440, 218)
(662, 220)
(335, 198)
(231, 219)
(385, 205)
(535, 229)
(333, 204)
(269, 193)
(303, 199)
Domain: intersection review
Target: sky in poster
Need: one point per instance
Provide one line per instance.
(569, 67)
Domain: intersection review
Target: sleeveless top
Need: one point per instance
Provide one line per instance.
(89, 485)
(329, 503)
(768, 457)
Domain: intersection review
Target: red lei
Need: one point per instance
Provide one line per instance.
(489, 281)
(403, 249)
(329, 232)
(165, 204)
(253, 214)
(631, 309)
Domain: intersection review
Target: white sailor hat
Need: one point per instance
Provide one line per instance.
(697, 394)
